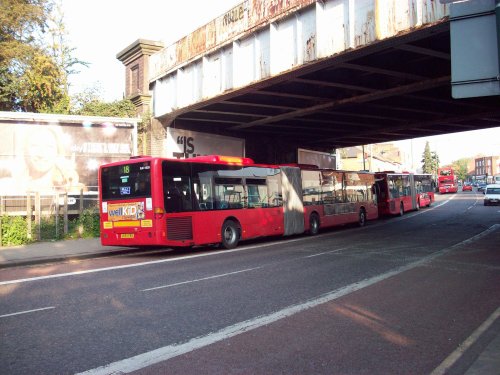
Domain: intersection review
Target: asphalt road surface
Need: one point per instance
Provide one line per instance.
(417, 294)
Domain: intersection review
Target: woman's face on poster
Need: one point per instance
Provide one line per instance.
(41, 150)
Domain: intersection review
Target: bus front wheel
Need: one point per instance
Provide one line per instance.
(230, 234)
(313, 224)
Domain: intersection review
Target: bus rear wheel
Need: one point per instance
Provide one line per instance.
(230, 234)
(313, 224)
(362, 217)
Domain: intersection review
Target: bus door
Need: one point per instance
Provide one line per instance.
(293, 207)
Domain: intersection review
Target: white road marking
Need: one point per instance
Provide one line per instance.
(463, 347)
(202, 279)
(242, 248)
(232, 273)
(326, 252)
(143, 360)
(76, 273)
(27, 311)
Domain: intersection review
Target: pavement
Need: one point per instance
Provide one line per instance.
(487, 362)
(56, 251)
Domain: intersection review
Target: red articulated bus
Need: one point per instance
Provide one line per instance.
(222, 200)
(401, 192)
(447, 181)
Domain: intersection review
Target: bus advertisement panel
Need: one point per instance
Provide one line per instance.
(222, 200)
(447, 181)
(398, 193)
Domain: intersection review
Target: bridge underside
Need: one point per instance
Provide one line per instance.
(391, 90)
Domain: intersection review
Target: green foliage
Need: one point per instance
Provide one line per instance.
(430, 160)
(89, 103)
(14, 230)
(118, 108)
(85, 225)
(48, 228)
(427, 159)
(34, 69)
(21, 57)
(435, 162)
(41, 88)
(21, 21)
(460, 168)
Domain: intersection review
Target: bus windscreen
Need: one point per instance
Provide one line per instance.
(126, 181)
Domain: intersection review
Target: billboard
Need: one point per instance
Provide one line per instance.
(54, 156)
(181, 144)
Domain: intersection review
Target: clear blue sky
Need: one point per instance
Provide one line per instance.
(100, 29)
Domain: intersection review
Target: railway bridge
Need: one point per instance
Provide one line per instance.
(304, 74)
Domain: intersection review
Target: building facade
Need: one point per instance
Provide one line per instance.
(373, 158)
(486, 167)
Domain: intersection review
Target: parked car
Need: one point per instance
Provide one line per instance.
(492, 194)
(467, 187)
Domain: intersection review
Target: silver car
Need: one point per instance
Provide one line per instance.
(492, 194)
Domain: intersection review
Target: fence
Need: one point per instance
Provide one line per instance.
(57, 206)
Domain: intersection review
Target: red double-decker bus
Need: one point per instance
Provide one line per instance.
(222, 200)
(447, 180)
(401, 192)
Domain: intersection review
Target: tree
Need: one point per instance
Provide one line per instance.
(34, 69)
(20, 23)
(40, 90)
(118, 108)
(59, 49)
(89, 103)
(434, 162)
(430, 160)
(427, 165)
(460, 168)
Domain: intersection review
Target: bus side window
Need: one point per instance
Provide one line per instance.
(173, 202)
(257, 193)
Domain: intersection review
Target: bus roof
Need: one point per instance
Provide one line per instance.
(208, 159)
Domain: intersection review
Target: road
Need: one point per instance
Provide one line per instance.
(398, 296)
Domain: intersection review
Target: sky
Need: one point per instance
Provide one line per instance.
(100, 29)
(451, 147)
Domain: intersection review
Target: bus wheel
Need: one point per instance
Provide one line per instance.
(313, 224)
(362, 217)
(230, 234)
(401, 209)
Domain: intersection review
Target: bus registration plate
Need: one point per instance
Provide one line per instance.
(127, 235)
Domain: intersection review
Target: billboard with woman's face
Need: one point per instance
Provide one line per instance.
(59, 157)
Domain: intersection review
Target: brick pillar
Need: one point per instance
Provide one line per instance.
(136, 60)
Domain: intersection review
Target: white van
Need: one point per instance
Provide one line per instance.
(492, 194)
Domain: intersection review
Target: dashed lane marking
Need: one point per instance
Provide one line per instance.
(27, 311)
